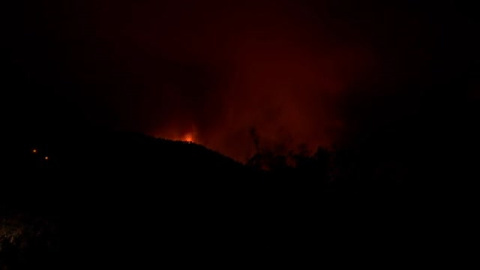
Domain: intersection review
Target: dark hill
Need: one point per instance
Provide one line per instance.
(109, 199)
(108, 164)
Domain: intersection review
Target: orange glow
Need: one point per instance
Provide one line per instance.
(34, 151)
(46, 158)
(188, 138)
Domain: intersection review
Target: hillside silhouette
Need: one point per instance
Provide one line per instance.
(105, 198)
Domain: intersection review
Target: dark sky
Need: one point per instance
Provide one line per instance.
(289, 73)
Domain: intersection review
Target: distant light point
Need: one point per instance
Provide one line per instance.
(46, 158)
(34, 151)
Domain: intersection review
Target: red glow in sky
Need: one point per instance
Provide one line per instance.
(241, 76)
(248, 65)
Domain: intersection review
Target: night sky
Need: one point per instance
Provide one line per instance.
(242, 76)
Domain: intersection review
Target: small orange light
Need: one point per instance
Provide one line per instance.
(46, 158)
(34, 151)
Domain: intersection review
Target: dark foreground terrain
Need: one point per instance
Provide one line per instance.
(120, 199)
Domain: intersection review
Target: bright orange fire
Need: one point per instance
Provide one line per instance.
(188, 138)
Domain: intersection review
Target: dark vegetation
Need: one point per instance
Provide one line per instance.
(125, 199)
